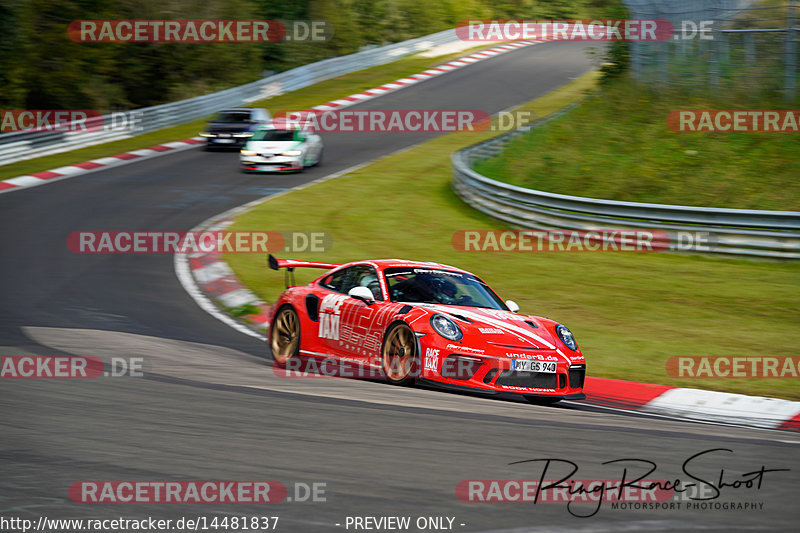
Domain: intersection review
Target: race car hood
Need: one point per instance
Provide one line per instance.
(273, 147)
(503, 329)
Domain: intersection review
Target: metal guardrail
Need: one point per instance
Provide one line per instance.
(769, 234)
(17, 146)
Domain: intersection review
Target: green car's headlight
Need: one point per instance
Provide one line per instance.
(248, 152)
(291, 153)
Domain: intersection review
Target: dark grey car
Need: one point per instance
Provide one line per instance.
(231, 128)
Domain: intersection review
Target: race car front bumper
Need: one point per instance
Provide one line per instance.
(271, 164)
(495, 375)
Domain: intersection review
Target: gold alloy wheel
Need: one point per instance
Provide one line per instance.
(399, 354)
(285, 335)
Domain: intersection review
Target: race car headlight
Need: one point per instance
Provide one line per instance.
(446, 327)
(245, 134)
(248, 152)
(206, 134)
(566, 337)
(291, 153)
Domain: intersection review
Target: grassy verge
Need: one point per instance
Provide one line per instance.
(300, 99)
(629, 312)
(619, 147)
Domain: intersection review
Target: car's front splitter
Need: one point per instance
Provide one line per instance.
(497, 393)
(271, 170)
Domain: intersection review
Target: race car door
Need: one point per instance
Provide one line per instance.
(350, 328)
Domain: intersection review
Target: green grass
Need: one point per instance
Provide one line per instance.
(619, 147)
(295, 100)
(629, 312)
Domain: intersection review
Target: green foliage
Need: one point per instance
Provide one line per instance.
(617, 55)
(243, 310)
(618, 146)
(42, 68)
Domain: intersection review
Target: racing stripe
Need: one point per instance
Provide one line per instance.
(497, 322)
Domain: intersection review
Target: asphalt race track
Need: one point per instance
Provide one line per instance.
(211, 407)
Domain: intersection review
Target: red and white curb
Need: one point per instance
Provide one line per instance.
(694, 404)
(215, 288)
(217, 281)
(56, 174)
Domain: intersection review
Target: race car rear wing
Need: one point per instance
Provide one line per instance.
(291, 264)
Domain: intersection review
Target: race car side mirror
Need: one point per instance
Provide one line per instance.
(363, 294)
(512, 306)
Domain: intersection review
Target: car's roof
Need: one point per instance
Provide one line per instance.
(392, 263)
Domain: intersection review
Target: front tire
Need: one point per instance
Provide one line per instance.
(285, 336)
(399, 356)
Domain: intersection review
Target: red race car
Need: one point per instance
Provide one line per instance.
(421, 322)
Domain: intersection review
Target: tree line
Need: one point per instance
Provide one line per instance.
(42, 68)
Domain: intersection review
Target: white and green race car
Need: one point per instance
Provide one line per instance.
(272, 149)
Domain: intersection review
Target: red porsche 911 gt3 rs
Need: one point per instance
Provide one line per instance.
(424, 322)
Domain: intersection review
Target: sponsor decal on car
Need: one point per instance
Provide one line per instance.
(330, 315)
(432, 359)
(457, 347)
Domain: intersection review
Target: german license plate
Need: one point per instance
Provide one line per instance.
(525, 365)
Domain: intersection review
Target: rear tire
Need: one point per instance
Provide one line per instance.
(399, 356)
(285, 335)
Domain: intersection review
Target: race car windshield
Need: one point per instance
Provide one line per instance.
(232, 117)
(273, 135)
(421, 285)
